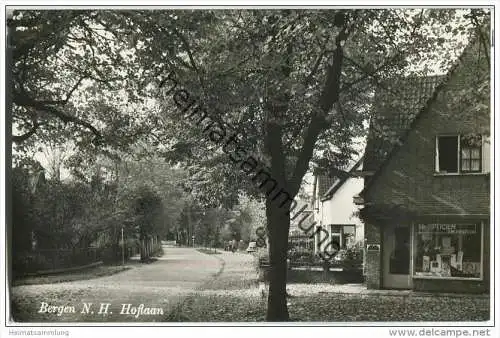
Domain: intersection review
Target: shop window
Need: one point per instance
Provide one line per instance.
(448, 250)
(459, 154)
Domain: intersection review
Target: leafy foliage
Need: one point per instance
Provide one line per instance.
(296, 84)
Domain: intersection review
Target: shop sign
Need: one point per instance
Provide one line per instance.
(450, 228)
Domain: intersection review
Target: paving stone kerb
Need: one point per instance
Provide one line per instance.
(218, 131)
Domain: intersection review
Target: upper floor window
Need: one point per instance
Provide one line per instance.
(470, 154)
(457, 154)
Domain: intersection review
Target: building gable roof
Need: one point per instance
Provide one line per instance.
(382, 151)
(379, 151)
(338, 183)
(324, 183)
(396, 108)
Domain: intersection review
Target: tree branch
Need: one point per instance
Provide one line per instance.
(68, 95)
(366, 73)
(319, 121)
(187, 46)
(372, 74)
(328, 98)
(479, 32)
(316, 65)
(25, 101)
(21, 138)
(87, 74)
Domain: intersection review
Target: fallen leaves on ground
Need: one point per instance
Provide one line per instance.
(219, 308)
(372, 308)
(236, 296)
(337, 307)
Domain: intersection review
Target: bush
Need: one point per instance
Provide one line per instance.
(349, 259)
(110, 255)
(30, 262)
(85, 256)
(302, 256)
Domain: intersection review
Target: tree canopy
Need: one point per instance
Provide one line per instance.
(296, 85)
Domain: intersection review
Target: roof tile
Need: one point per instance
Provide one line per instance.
(395, 108)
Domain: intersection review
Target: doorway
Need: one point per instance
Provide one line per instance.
(396, 257)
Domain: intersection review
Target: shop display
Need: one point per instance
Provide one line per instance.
(448, 250)
(460, 257)
(453, 261)
(445, 266)
(435, 267)
(426, 265)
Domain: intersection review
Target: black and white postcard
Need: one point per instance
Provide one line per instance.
(250, 165)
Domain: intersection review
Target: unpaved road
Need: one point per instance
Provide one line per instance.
(158, 286)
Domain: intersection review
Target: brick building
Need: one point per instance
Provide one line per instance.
(426, 199)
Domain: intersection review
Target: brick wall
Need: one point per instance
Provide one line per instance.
(373, 261)
(409, 178)
(447, 285)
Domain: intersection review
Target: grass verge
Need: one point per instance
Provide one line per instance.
(90, 273)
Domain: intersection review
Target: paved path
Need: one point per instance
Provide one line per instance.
(159, 286)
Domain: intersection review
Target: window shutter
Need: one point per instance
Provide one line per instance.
(486, 154)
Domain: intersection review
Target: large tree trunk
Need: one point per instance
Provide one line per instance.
(278, 225)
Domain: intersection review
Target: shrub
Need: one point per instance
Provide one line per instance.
(110, 255)
(85, 256)
(30, 262)
(349, 259)
(302, 256)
